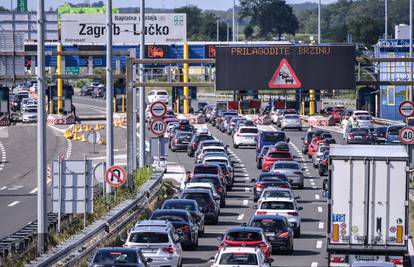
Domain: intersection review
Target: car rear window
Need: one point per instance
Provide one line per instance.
(286, 166)
(202, 198)
(169, 217)
(277, 205)
(395, 130)
(212, 150)
(238, 258)
(269, 224)
(364, 117)
(273, 137)
(210, 180)
(278, 155)
(162, 93)
(359, 131)
(186, 136)
(276, 193)
(148, 237)
(205, 170)
(179, 206)
(116, 256)
(292, 117)
(249, 130)
(244, 236)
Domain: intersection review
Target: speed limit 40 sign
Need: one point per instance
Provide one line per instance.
(407, 135)
(158, 127)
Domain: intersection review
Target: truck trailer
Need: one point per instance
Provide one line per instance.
(367, 204)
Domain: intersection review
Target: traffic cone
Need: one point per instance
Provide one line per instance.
(101, 142)
(85, 127)
(83, 139)
(76, 136)
(98, 127)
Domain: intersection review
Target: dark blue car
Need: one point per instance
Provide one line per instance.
(269, 138)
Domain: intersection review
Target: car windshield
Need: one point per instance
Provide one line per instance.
(148, 237)
(238, 258)
(201, 198)
(269, 224)
(359, 131)
(277, 155)
(286, 166)
(162, 93)
(186, 136)
(276, 193)
(273, 137)
(179, 206)
(116, 256)
(205, 170)
(364, 117)
(277, 205)
(381, 130)
(31, 110)
(217, 161)
(292, 117)
(249, 130)
(210, 180)
(244, 236)
(169, 217)
(272, 176)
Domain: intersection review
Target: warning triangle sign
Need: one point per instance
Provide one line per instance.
(284, 77)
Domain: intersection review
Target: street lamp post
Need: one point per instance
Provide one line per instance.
(319, 22)
(386, 20)
(234, 21)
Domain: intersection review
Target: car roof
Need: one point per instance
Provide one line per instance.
(208, 175)
(170, 211)
(193, 190)
(248, 127)
(274, 188)
(118, 249)
(183, 200)
(213, 147)
(273, 217)
(205, 165)
(243, 229)
(280, 199)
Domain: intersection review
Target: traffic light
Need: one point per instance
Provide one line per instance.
(28, 62)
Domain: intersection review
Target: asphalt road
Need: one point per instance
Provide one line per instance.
(310, 249)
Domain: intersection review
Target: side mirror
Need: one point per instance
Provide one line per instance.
(287, 140)
(300, 208)
(219, 238)
(149, 260)
(253, 180)
(123, 238)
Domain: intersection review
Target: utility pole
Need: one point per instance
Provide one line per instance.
(142, 89)
(386, 20)
(319, 22)
(234, 21)
(109, 90)
(218, 30)
(411, 50)
(228, 32)
(42, 222)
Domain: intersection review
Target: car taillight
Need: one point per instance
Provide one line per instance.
(325, 162)
(175, 141)
(194, 145)
(169, 250)
(337, 259)
(261, 213)
(297, 173)
(292, 213)
(184, 228)
(350, 136)
(365, 136)
(284, 186)
(260, 186)
(219, 189)
(397, 261)
(284, 235)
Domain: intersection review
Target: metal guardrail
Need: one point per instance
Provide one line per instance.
(78, 247)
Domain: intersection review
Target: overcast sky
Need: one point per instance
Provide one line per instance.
(203, 4)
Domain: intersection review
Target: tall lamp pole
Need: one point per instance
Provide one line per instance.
(411, 50)
(234, 21)
(319, 22)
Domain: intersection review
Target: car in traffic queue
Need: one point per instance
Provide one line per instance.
(378, 135)
(282, 206)
(264, 180)
(209, 149)
(318, 153)
(392, 135)
(337, 113)
(190, 206)
(209, 186)
(281, 113)
(265, 138)
(158, 241)
(158, 95)
(291, 121)
(356, 113)
(232, 124)
(206, 143)
(226, 169)
(317, 139)
(219, 186)
(221, 116)
(118, 256)
(358, 136)
(306, 141)
(180, 141)
(245, 136)
(278, 192)
(292, 170)
(197, 138)
(210, 207)
(365, 121)
(261, 155)
(183, 224)
(30, 114)
(273, 155)
(277, 231)
(241, 257)
(244, 236)
(323, 163)
(204, 168)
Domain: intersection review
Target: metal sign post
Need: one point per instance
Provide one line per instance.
(142, 88)
(60, 193)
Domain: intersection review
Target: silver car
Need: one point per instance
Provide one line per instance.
(365, 121)
(292, 171)
(30, 114)
(318, 154)
(291, 121)
(158, 241)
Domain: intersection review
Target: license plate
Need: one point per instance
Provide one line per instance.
(185, 142)
(366, 257)
(269, 234)
(357, 136)
(148, 250)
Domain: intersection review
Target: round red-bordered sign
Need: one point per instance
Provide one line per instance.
(115, 176)
(158, 127)
(158, 109)
(406, 109)
(407, 135)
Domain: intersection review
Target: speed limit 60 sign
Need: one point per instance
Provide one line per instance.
(158, 127)
(407, 135)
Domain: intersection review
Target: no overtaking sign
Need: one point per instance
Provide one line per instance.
(406, 109)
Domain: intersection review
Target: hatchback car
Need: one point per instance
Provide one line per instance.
(276, 229)
(158, 241)
(206, 201)
(265, 180)
(30, 114)
(274, 155)
(130, 257)
(159, 95)
(245, 136)
(365, 121)
(219, 186)
(358, 136)
(291, 121)
(197, 138)
(245, 237)
(240, 256)
(317, 155)
(181, 140)
(292, 170)
(392, 136)
(378, 135)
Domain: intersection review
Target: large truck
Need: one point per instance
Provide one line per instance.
(367, 193)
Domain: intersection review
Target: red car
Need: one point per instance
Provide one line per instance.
(337, 113)
(313, 146)
(246, 237)
(274, 155)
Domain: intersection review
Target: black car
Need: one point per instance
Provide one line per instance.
(15, 102)
(323, 163)
(216, 181)
(268, 179)
(188, 205)
(180, 140)
(306, 141)
(205, 200)
(276, 229)
(378, 135)
(87, 90)
(204, 143)
(131, 257)
(183, 224)
(197, 138)
(201, 105)
(358, 136)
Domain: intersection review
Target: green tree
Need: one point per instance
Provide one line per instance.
(248, 31)
(273, 17)
(366, 29)
(194, 20)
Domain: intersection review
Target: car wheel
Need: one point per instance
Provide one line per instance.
(297, 232)
(320, 172)
(235, 146)
(173, 149)
(300, 129)
(222, 204)
(215, 221)
(290, 249)
(314, 165)
(303, 150)
(301, 186)
(309, 156)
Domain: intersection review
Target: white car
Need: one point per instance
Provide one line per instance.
(240, 257)
(245, 136)
(210, 149)
(356, 113)
(30, 114)
(277, 192)
(158, 95)
(158, 241)
(291, 121)
(282, 206)
(365, 121)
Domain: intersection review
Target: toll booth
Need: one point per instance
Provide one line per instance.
(178, 97)
(52, 97)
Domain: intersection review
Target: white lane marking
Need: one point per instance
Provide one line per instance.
(14, 187)
(320, 210)
(246, 177)
(319, 244)
(33, 191)
(49, 180)
(312, 184)
(320, 225)
(245, 202)
(314, 264)
(2, 188)
(247, 189)
(311, 180)
(13, 203)
(240, 217)
(69, 150)
(317, 196)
